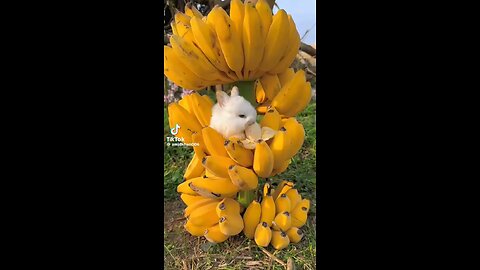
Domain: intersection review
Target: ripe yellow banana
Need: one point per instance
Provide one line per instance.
(217, 187)
(183, 27)
(192, 11)
(265, 14)
(217, 165)
(237, 12)
(229, 39)
(271, 84)
(251, 218)
(243, 178)
(214, 235)
(184, 188)
(282, 188)
(294, 196)
(191, 56)
(295, 234)
(283, 167)
(296, 132)
(263, 234)
(268, 209)
(263, 159)
(227, 207)
(282, 204)
(285, 76)
(297, 89)
(300, 213)
(209, 101)
(292, 49)
(260, 95)
(194, 230)
(280, 147)
(188, 124)
(194, 168)
(214, 142)
(282, 221)
(238, 153)
(185, 104)
(253, 42)
(204, 215)
(271, 119)
(201, 108)
(280, 240)
(199, 203)
(231, 224)
(174, 28)
(275, 45)
(267, 189)
(190, 199)
(179, 73)
(200, 150)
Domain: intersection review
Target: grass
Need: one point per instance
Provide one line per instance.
(183, 251)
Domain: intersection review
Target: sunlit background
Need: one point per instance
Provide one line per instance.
(304, 15)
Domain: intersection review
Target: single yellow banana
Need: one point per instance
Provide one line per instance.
(204, 215)
(199, 203)
(191, 56)
(267, 189)
(263, 159)
(280, 147)
(188, 124)
(194, 168)
(282, 188)
(185, 104)
(285, 76)
(282, 221)
(214, 142)
(296, 132)
(295, 234)
(201, 109)
(294, 196)
(271, 119)
(292, 95)
(227, 206)
(282, 204)
(193, 229)
(251, 218)
(229, 39)
(199, 148)
(190, 199)
(300, 213)
(182, 24)
(192, 11)
(231, 224)
(280, 240)
(238, 153)
(243, 178)
(217, 165)
(292, 49)
(304, 96)
(283, 167)
(260, 95)
(237, 13)
(184, 188)
(265, 14)
(179, 73)
(263, 234)
(271, 85)
(215, 235)
(253, 43)
(268, 209)
(217, 187)
(275, 45)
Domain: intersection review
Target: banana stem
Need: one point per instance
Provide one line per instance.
(247, 90)
(246, 197)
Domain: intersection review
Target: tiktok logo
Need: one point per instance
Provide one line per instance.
(174, 130)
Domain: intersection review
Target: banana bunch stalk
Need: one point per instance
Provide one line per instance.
(222, 48)
(277, 217)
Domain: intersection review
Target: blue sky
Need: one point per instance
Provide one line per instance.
(303, 13)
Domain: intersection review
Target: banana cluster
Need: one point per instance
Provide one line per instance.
(222, 48)
(277, 218)
(289, 92)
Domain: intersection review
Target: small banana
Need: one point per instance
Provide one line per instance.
(215, 235)
(282, 221)
(275, 47)
(243, 178)
(192, 11)
(193, 229)
(251, 218)
(263, 234)
(271, 85)
(217, 165)
(253, 43)
(185, 104)
(184, 187)
(194, 168)
(285, 76)
(201, 108)
(190, 199)
(263, 159)
(283, 167)
(268, 209)
(199, 148)
(217, 187)
(271, 119)
(204, 215)
(300, 214)
(280, 147)
(238, 153)
(282, 188)
(292, 96)
(280, 240)
(260, 95)
(231, 224)
(292, 49)
(214, 142)
(294, 196)
(295, 234)
(296, 132)
(188, 124)
(265, 14)
(282, 204)
(199, 203)
(227, 207)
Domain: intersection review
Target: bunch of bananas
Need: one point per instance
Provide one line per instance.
(222, 48)
(277, 217)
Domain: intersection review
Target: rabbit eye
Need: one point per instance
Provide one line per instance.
(242, 115)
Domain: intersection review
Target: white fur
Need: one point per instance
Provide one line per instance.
(225, 114)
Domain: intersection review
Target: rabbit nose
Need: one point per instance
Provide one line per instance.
(250, 122)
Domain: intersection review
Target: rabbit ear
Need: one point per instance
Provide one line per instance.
(234, 91)
(222, 98)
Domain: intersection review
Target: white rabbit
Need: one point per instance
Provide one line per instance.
(232, 114)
